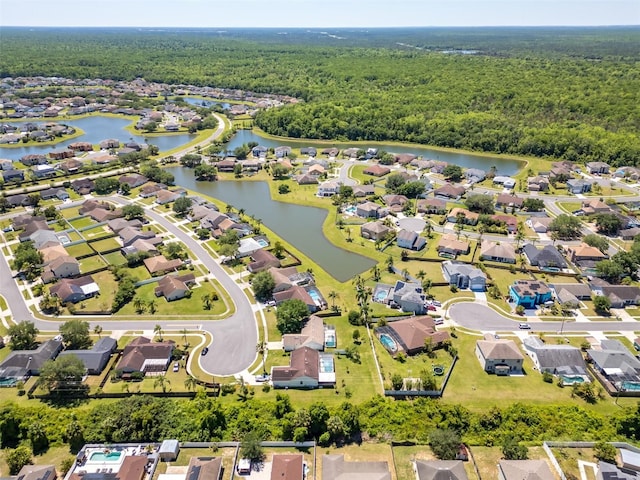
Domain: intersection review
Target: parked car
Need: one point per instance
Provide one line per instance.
(205, 350)
(262, 378)
(436, 303)
(438, 321)
(431, 308)
(176, 367)
(524, 326)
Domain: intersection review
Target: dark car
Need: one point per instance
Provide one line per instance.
(205, 350)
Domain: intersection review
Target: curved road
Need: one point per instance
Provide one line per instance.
(476, 316)
(234, 338)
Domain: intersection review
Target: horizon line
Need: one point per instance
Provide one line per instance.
(379, 27)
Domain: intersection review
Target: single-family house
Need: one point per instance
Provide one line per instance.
(529, 293)
(130, 234)
(36, 472)
(410, 240)
(597, 168)
(546, 257)
(583, 252)
(174, 287)
(509, 200)
(21, 364)
(133, 179)
(475, 175)
(497, 252)
(152, 189)
(509, 221)
(468, 218)
(144, 356)
(165, 196)
(63, 266)
(71, 165)
(564, 361)
(262, 260)
(311, 335)
(579, 291)
(75, 290)
(159, 264)
(109, 144)
(440, 470)
(329, 188)
(32, 159)
(289, 466)
(83, 186)
(615, 363)
(310, 151)
(374, 231)
(250, 245)
(43, 171)
(306, 179)
(579, 186)
(304, 370)
(507, 182)
(282, 151)
(449, 191)
(6, 164)
(204, 468)
(594, 206)
(13, 175)
(81, 146)
(629, 234)
(432, 205)
(464, 275)
(630, 460)
(410, 334)
(450, 246)
(539, 224)
(96, 358)
(499, 356)
(360, 191)
(537, 184)
(524, 469)
(61, 154)
(377, 170)
(119, 224)
(621, 296)
(396, 203)
(55, 192)
(298, 293)
(410, 297)
(369, 210)
(335, 467)
(609, 471)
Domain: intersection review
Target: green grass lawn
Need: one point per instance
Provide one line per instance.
(139, 273)
(186, 454)
(405, 456)
(79, 249)
(105, 245)
(70, 212)
(568, 460)
(115, 258)
(97, 233)
(89, 264)
(55, 455)
(108, 288)
(80, 223)
(184, 307)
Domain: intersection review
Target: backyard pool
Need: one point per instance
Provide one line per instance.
(105, 457)
(330, 340)
(569, 380)
(315, 296)
(326, 364)
(631, 386)
(262, 242)
(380, 296)
(351, 210)
(388, 343)
(8, 382)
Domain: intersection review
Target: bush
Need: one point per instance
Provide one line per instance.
(18, 458)
(354, 317)
(324, 440)
(520, 310)
(547, 377)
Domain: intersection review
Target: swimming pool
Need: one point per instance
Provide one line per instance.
(380, 296)
(315, 296)
(262, 242)
(570, 380)
(330, 340)
(631, 386)
(8, 382)
(388, 342)
(351, 210)
(105, 457)
(326, 364)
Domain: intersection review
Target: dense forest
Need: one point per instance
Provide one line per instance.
(566, 93)
(144, 418)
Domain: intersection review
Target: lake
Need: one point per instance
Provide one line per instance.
(97, 128)
(199, 102)
(299, 225)
(505, 166)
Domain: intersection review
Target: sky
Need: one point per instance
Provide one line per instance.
(316, 13)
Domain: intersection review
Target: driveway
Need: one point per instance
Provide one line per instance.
(233, 348)
(476, 316)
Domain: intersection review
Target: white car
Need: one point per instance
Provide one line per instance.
(176, 367)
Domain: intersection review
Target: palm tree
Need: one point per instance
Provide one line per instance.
(162, 382)
(426, 285)
(241, 212)
(348, 232)
(184, 333)
(428, 228)
(97, 330)
(421, 275)
(405, 274)
(229, 208)
(151, 305)
(190, 383)
(262, 349)
(158, 331)
(138, 305)
(333, 296)
(375, 273)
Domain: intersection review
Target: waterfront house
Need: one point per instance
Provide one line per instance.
(507, 182)
(262, 260)
(329, 188)
(410, 240)
(374, 231)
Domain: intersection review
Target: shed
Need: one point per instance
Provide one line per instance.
(169, 450)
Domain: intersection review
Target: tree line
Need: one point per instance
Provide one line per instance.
(556, 100)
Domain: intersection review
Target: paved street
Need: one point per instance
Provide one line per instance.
(476, 316)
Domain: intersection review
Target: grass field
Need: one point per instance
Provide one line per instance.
(105, 245)
(82, 222)
(89, 264)
(79, 250)
(115, 258)
(185, 455)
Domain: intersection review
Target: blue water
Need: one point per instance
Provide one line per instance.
(199, 102)
(631, 386)
(330, 341)
(105, 457)
(97, 128)
(315, 296)
(381, 295)
(571, 380)
(326, 365)
(505, 166)
(262, 243)
(388, 342)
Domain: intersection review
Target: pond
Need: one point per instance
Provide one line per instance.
(505, 166)
(97, 128)
(299, 225)
(200, 102)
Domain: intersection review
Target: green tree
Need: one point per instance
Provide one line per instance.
(23, 336)
(283, 189)
(190, 383)
(75, 334)
(97, 330)
(263, 285)
(597, 241)
(514, 450)
(566, 226)
(158, 332)
(64, 373)
(601, 304)
(394, 182)
(444, 443)
(27, 259)
(133, 211)
(261, 350)
(251, 447)
(162, 382)
(18, 458)
(290, 315)
(182, 205)
(605, 452)
(480, 203)
(533, 204)
(397, 381)
(608, 223)
(452, 172)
